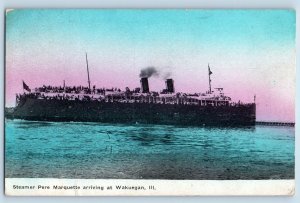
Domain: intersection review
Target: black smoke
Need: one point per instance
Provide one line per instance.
(148, 72)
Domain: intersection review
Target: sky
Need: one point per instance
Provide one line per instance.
(250, 52)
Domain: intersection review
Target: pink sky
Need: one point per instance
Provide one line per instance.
(274, 89)
(249, 53)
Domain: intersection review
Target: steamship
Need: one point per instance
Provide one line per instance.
(139, 105)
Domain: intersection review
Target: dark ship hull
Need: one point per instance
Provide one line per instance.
(145, 113)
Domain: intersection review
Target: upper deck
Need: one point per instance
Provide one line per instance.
(80, 93)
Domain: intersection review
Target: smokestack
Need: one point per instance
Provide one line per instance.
(170, 85)
(144, 85)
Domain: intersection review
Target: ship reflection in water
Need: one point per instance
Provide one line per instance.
(94, 150)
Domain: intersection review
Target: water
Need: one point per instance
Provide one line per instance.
(94, 150)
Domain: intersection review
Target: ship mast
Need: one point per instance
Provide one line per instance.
(88, 73)
(209, 80)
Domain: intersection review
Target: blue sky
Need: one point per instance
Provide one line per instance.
(250, 51)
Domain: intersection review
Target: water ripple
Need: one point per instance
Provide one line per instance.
(94, 150)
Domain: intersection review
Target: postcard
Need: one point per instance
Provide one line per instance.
(135, 102)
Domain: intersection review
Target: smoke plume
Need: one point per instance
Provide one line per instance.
(148, 72)
(167, 75)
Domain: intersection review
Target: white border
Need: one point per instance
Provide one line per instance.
(151, 4)
(107, 187)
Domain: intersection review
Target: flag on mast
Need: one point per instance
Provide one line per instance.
(26, 87)
(209, 71)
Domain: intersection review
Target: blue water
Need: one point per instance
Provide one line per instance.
(94, 150)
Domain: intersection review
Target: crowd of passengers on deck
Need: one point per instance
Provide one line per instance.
(74, 89)
(123, 98)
